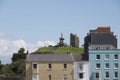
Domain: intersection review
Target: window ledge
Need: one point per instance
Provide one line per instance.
(98, 68)
(107, 69)
(97, 59)
(106, 59)
(64, 69)
(115, 59)
(81, 71)
(106, 78)
(115, 78)
(97, 78)
(49, 69)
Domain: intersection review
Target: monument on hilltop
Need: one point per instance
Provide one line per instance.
(61, 42)
(74, 40)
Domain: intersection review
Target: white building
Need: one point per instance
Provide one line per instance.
(81, 69)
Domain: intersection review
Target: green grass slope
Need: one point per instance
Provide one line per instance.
(59, 50)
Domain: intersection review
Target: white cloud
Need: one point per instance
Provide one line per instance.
(45, 43)
(19, 43)
(8, 47)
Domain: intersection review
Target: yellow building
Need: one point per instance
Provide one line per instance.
(49, 67)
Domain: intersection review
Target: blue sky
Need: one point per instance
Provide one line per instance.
(32, 22)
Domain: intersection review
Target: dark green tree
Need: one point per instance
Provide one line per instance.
(20, 55)
(18, 67)
(0, 66)
(22, 50)
(7, 70)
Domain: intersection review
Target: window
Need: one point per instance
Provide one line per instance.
(98, 66)
(115, 65)
(97, 75)
(81, 75)
(34, 76)
(65, 77)
(115, 74)
(65, 66)
(81, 66)
(107, 66)
(106, 57)
(107, 74)
(34, 66)
(49, 66)
(107, 48)
(116, 56)
(49, 77)
(97, 57)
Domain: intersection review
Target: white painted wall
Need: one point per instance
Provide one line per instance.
(77, 70)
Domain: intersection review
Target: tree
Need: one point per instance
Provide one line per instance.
(18, 67)
(0, 66)
(7, 71)
(22, 50)
(20, 55)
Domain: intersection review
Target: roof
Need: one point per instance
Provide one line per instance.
(80, 57)
(49, 57)
(54, 57)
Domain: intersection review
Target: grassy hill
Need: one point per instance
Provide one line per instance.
(59, 50)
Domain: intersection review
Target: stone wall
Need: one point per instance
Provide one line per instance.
(74, 40)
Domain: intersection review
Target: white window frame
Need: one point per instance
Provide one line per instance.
(107, 65)
(65, 66)
(107, 57)
(49, 77)
(65, 77)
(115, 75)
(106, 75)
(35, 76)
(97, 66)
(95, 75)
(49, 66)
(82, 76)
(33, 65)
(97, 55)
(81, 66)
(115, 65)
(117, 56)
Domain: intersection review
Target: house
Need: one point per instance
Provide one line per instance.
(100, 36)
(55, 67)
(104, 64)
(49, 67)
(81, 67)
(104, 57)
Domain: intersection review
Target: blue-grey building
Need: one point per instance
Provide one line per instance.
(104, 57)
(104, 64)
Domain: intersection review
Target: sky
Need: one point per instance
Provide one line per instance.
(36, 23)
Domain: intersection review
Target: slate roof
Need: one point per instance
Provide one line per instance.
(49, 57)
(55, 57)
(80, 57)
(104, 38)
